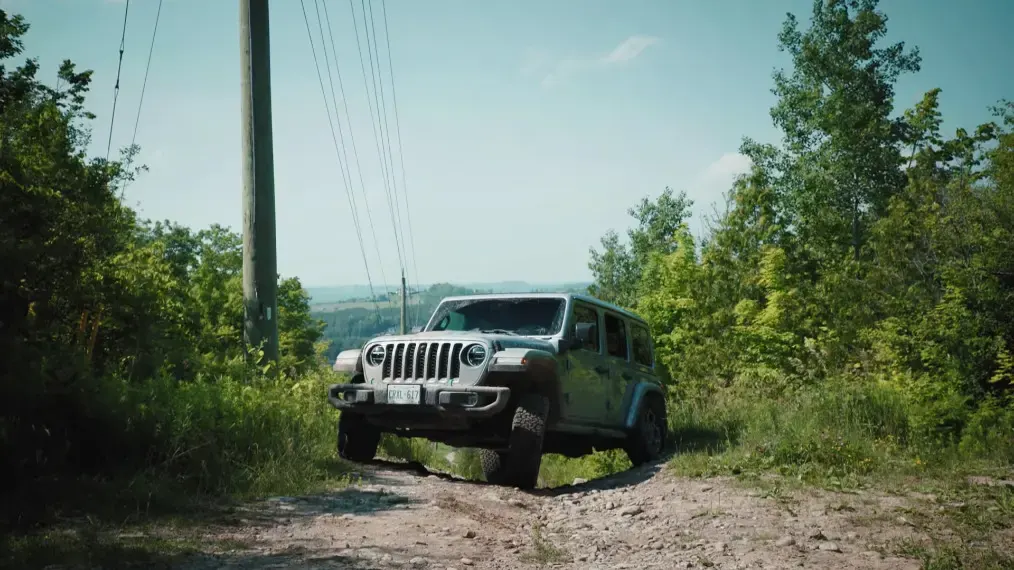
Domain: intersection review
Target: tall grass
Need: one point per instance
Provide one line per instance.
(161, 444)
(836, 433)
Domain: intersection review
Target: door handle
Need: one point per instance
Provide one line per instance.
(602, 369)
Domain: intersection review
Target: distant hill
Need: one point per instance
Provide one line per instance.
(340, 293)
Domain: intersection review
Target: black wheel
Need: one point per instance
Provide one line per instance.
(494, 465)
(357, 439)
(647, 440)
(519, 465)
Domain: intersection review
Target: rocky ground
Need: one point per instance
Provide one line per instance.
(645, 518)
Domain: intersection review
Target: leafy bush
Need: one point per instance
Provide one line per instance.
(123, 338)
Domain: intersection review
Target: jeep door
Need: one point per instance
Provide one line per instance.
(621, 376)
(586, 380)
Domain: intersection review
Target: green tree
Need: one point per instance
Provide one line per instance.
(618, 268)
(835, 111)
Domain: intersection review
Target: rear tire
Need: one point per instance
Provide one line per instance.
(519, 465)
(647, 440)
(357, 439)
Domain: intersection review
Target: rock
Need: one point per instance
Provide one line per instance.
(631, 511)
(468, 534)
(579, 481)
(785, 541)
(706, 488)
(417, 561)
(829, 547)
(466, 562)
(818, 535)
(516, 503)
(610, 506)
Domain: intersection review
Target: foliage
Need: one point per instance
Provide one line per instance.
(127, 334)
(868, 249)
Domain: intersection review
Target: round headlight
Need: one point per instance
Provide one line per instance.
(375, 355)
(475, 355)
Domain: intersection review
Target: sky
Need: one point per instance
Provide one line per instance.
(527, 127)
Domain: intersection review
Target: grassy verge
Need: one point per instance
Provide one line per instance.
(845, 437)
(175, 453)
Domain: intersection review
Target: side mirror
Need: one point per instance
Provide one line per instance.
(569, 343)
(584, 335)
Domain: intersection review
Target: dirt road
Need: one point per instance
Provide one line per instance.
(645, 518)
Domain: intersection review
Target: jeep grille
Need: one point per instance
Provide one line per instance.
(426, 361)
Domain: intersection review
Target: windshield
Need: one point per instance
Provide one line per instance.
(522, 316)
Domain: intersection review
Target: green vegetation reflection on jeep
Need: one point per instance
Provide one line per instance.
(515, 375)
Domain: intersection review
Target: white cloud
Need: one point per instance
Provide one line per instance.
(725, 170)
(628, 50)
(709, 187)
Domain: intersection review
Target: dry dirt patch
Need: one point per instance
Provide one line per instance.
(644, 518)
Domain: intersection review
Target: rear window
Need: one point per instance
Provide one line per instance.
(642, 346)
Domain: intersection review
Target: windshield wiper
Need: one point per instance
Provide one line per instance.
(499, 331)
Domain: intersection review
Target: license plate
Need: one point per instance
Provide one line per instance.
(404, 394)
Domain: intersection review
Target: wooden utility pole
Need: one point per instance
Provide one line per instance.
(404, 305)
(260, 273)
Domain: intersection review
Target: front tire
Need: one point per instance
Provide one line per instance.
(357, 439)
(647, 440)
(519, 465)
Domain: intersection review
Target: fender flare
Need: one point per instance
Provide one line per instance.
(349, 362)
(539, 367)
(642, 391)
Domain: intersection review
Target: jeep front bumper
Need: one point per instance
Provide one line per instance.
(472, 401)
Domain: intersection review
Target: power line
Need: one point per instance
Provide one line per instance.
(385, 129)
(144, 85)
(334, 138)
(385, 140)
(401, 154)
(343, 159)
(355, 151)
(391, 189)
(374, 122)
(116, 88)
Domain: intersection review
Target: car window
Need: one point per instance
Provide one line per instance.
(616, 337)
(642, 345)
(586, 321)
